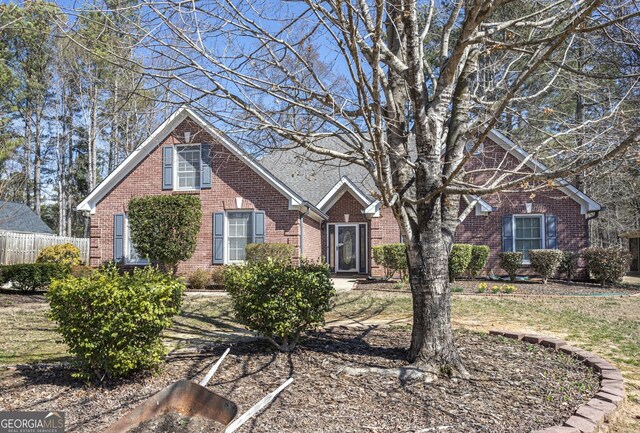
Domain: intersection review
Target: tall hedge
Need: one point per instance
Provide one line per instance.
(479, 257)
(164, 228)
(459, 260)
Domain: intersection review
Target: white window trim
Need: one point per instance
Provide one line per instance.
(176, 186)
(127, 242)
(543, 231)
(225, 236)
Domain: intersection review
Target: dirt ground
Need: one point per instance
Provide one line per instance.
(515, 387)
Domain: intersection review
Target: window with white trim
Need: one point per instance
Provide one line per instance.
(239, 234)
(187, 166)
(528, 234)
(131, 256)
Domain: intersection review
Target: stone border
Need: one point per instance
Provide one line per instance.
(597, 414)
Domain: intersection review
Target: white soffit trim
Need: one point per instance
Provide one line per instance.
(343, 185)
(587, 204)
(482, 207)
(126, 166)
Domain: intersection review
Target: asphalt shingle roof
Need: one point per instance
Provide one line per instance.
(311, 175)
(18, 217)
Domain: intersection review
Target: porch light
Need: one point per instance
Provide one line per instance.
(528, 207)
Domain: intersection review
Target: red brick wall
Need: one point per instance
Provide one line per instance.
(487, 230)
(312, 240)
(384, 230)
(231, 178)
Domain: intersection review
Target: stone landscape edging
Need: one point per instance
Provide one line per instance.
(597, 414)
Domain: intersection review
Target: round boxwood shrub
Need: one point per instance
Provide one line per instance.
(199, 279)
(479, 257)
(164, 228)
(459, 259)
(545, 262)
(29, 277)
(569, 264)
(393, 258)
(280, 301)
(606, 265)
(112, 322)
(270, 251)
(64, 254)
(511, 262)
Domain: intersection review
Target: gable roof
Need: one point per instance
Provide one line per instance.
(587, 204)
(137, 156)
(18, 217)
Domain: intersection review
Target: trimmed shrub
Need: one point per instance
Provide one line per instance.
(33, 276)
(281, 253)
(545, 262)
(393, 258)
(112, 322)
(511, 262)
(606, 265)
(479, 258)
(164, 228)
(63, 254)
(459, 259)
(217, 276)
(280, 301)
(569, 264)
(199, 279)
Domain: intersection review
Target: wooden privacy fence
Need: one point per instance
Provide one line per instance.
(24, 247)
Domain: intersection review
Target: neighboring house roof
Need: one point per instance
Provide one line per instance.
(18, 217)
(125, 167)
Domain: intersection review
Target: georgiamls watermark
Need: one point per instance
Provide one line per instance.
(32, 422)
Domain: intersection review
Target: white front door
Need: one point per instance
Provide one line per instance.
(347, 251)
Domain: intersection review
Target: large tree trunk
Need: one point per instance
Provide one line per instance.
(432, 342)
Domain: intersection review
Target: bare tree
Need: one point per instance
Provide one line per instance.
(405, 86)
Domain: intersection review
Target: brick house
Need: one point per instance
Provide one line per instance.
(325, 210)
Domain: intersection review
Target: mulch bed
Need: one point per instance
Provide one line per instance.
(12, 297)
(533, 287)
(516, 387)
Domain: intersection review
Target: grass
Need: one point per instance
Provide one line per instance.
(609, 327)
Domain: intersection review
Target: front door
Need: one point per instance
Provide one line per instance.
(347, 248)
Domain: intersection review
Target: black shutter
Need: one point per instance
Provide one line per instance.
(507, 233)
(551, 235)
(218, 237)
(118, 237)
(205, 166)
(167, 167)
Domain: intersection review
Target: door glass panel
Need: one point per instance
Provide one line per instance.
(347, 244)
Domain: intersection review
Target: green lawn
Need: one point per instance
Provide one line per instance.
(609, 327)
